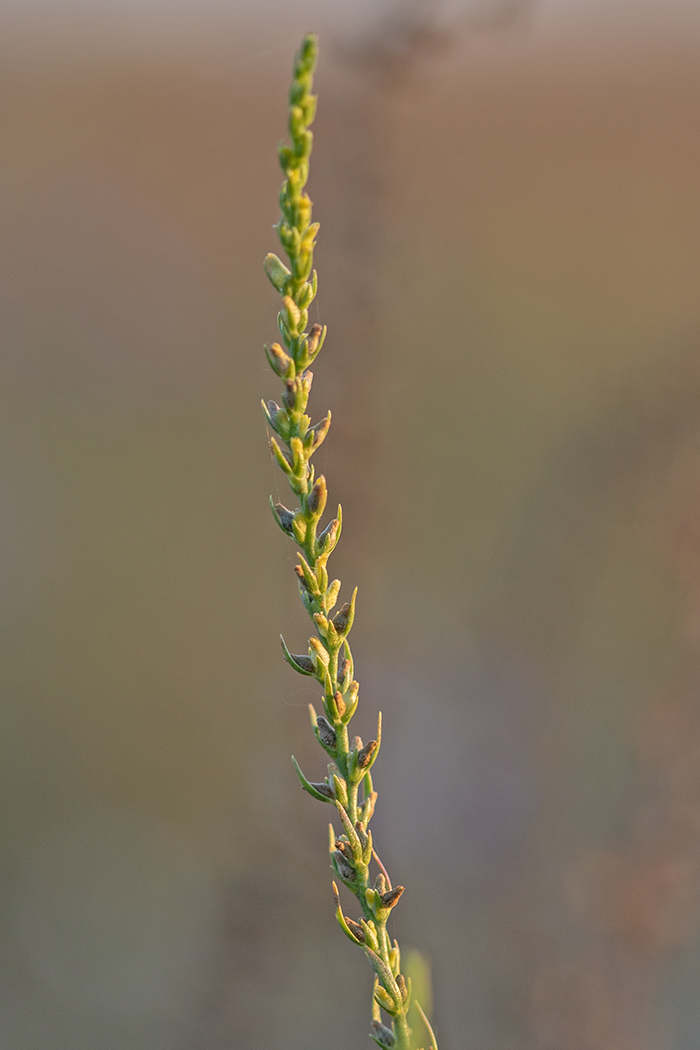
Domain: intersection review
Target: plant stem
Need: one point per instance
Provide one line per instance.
(328, 658)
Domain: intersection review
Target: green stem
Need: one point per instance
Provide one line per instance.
(402, 1033)
(297, 284)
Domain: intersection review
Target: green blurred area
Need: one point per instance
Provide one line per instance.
(515, 389)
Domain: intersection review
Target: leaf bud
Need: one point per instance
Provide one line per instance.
(276, 271)
(380, 883)
(402, 986)
(383, 1035)
(326, 732)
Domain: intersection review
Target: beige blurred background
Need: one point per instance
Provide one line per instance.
(509, 266)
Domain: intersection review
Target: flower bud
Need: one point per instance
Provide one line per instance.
(326, 732)
(304, 663)
(282, 457)
(326, 540)
(279, 360)
(367, 808)
(340, 620)
(283, 517)
(304, 204)
(345, 667)
(402, 986)
(345, 848)
(346, 872)
(318, 654)
(302, 579)
(370, 932)
(285, 157)
(343, 619)
(341, 791)
(276, 271)
(331, 598)
(305, 294)
(391, 897)
(364, 756)
(353, 696)
(383, 1035)
(313, 343)
(336, 705)
(385, 1001)
(319, 432)
(316, 500)
(289, 394)
(306, 55)
(356, 929)
(292, 314)
(362, 834)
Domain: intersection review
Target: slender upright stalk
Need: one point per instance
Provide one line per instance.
(347, 786)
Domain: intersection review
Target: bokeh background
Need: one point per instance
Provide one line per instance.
(509, 266)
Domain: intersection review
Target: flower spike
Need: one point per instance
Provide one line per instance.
(329, 659)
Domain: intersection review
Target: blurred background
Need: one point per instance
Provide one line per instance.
(509, 263)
